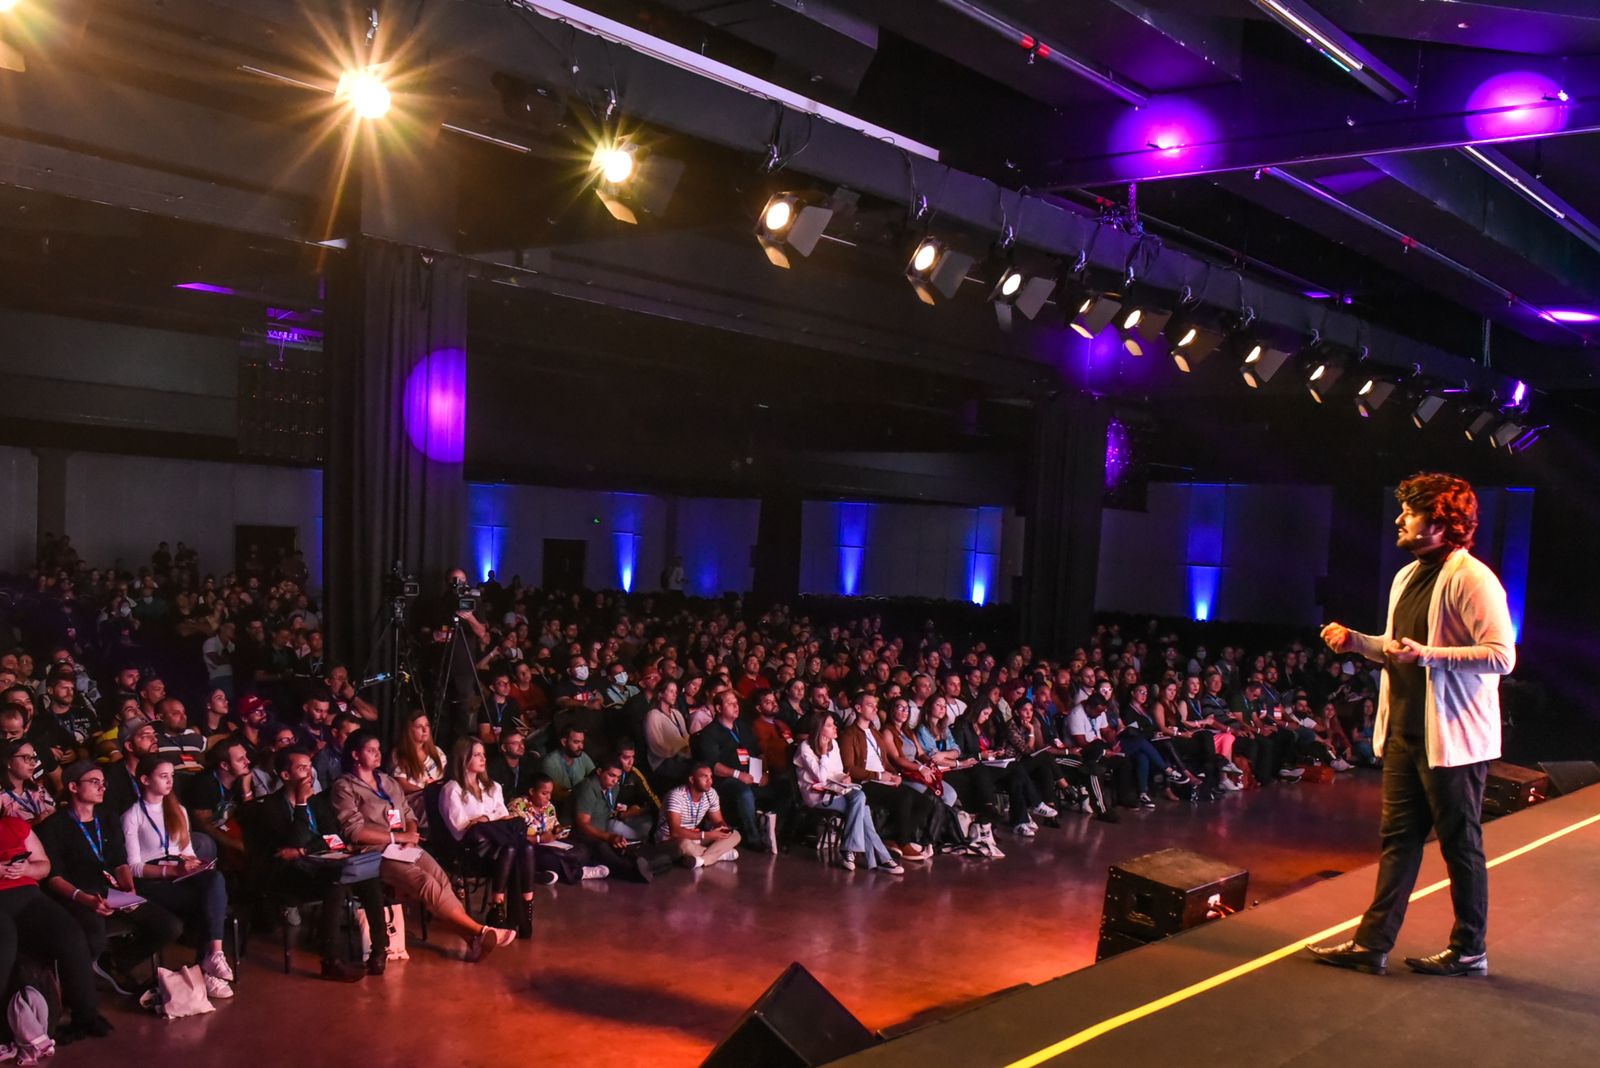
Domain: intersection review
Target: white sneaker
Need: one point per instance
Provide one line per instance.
(732, 854)
(218, 989)
(1291, 773)
(1045, 811)
(847, 861)
(1227, 785)
(1023, 830)
(595, 871)
(1232, 769)
(216, 965)
(1341, 765)
(890, 869)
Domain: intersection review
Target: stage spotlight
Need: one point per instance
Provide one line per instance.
(937, 269)
(1479, 425)
(1094, 313)
(1261, 363)
(364, 90)
(1505, 434)
(791, 222)
(1324, 375)
(1021, 291)
(1426, 409)
(1372, 395)
(630, 179)
(1191, 344)
(1141, 328)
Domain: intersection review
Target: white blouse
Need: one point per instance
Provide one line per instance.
(144, 829)
(812, 769)
(460, 808)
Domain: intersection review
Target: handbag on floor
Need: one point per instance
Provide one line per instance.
(395, 919)
(178, 993)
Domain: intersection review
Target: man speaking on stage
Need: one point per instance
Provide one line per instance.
(1448, 642)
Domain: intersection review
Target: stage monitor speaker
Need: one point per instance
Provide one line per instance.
(1113, 942)
(795, 1024)
(1512, 788)
(1172, 890)
(1570, 776)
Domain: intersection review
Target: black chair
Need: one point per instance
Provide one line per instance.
(821, 827)
(466, 871)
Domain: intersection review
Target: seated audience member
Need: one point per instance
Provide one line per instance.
(510, 765)
(905, 812)
(106, 743)
(32, 921)
(823, 783)
(641, 807)
(475, 814)
(25, 798)
(87, 861)
(373, 815)
(698, 698)
(773, 736)
(316, 721)
(327, 763)
(1332, 737)
(666, 734)
(1361, 737)
(166, 869)
(294, 835)
(1193, 743)
(558, 859)
(136, 739)
(954, 753)
(71, 718)
(1087, 728)
(347, 700)
(595, 805)
(996, 749)
(725, 747)
(692, 825)
(498, 712)
(418, 763)
(568, 765)
(218, 718)
(214, 799)
(578, 703)
(1134, 740)
(175, 738)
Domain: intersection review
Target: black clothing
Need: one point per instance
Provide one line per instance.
(1417, 799)
(513, 780)
(1408, 683)
(122, 790)
(72, 848)
(30, 919)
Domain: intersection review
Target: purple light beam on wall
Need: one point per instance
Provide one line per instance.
(1516, 104)
(1119, 455)
(436, 406)
(205, 287)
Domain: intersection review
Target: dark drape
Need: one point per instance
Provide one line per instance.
(393, 487)
(1061, 550)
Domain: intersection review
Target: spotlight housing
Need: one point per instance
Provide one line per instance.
(1428, 407)
(1017, 290)
(1190, 343)
(1093, 314)
(1325, 374)
(1504, 434)
(936, 270)
(1142, 327)
(791, 222)
(630, 179)
(1261, 363)
(1372, 395)
(1478, 425)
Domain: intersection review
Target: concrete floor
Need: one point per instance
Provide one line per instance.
(620, 974)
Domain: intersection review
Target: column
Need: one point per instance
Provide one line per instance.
(1061, 545)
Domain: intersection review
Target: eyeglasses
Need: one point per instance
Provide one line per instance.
(92, 782)
(27, 758)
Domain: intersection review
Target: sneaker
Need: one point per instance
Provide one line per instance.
(115, 976)
(691, 862)
(732, 854)
(1342, 765)
(1227, 785)
(218, 989)
(1086, 806)
(1046, 811)
(486, 941)
(1177, 778)
(291, 915)
(1146, 802)
(769, 823)
(1023, 830)
(1232, 769)
(1291, 774)
(215, 964)
(599, 871)
(847, 861)
(890, 869)
(545, 878)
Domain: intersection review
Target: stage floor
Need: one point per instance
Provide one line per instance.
(623, 975)
(1238, 993)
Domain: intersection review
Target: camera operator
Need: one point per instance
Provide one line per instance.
(463, 639)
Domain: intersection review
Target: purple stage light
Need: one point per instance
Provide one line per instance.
(1515, 105)
(1569, 315)
(436, 406)
(1119, 455)
(1173, 136)
(205, 287)
(1316, 294)
(1519, 394)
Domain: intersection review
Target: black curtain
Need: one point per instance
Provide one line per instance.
(393, 485)
(1061, 548)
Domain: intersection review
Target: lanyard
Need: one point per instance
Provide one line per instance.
(161, 832)
(373, 790)
(311, 817)
(97, 843)
(611, 799)
(25, 801)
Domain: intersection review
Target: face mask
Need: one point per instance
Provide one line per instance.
(581, 673)
(620, 678)
(125, 610)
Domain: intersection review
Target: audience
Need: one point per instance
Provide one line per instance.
(474, 810)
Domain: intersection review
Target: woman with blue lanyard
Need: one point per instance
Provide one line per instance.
(23, 796)
(167, 871)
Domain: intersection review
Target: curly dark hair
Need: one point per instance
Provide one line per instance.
(1444, 499)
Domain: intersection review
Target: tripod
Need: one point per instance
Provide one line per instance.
(393, 651)
(456, 706)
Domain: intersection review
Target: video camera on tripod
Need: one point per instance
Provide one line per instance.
(468, 598)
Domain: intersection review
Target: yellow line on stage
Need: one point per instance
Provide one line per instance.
(1106, 1026)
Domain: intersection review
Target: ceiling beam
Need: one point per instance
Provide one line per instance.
(1278, 116)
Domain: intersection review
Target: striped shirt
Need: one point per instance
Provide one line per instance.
(691, 813)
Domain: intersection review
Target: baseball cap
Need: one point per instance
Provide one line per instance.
(130, 728)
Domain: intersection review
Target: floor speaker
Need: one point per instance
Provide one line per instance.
(1570, 776)
(1512, 788)
(795, 1024)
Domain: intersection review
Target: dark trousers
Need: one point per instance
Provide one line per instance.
(303, 880)
(905, 811)
(975, 789)
(740, 802)
(30, 919)
(1417, 799)
(154, 928)
(201, 901)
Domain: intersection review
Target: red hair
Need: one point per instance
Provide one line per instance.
(1446, 500)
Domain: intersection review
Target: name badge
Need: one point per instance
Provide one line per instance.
(333, 842)
(396, 822)
(744, 757)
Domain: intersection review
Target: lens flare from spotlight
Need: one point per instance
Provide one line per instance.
(365, 91)
(1011, 283)
(7, 5)
(926, 255)
(780, 213)
(615, 163)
